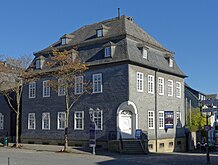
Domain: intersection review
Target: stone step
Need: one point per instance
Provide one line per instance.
(132, 147)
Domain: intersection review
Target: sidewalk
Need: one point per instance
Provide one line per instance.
(52, 148)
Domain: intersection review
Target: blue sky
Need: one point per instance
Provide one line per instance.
(188, 28)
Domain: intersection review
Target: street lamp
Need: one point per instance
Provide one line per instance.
(209, 110)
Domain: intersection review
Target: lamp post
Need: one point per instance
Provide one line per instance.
(209, 110)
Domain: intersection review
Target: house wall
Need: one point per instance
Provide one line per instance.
(115, 91)
(146, 102)
(6, 111)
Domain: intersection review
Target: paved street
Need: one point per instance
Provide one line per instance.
(33, 157)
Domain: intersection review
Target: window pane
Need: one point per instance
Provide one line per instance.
(97, 83)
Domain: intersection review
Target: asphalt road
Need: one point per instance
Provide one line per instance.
(32, 157)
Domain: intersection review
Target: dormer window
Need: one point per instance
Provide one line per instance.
(107, 52)
(39, 63)
(144, 50)
(144, 53)
(170, 62)
(63, 41)
(99, 33)
(109, 49)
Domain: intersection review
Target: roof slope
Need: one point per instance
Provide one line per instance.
(125, 35)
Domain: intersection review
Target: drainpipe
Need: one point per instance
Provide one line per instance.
(155, 106)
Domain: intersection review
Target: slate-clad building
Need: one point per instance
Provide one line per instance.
(7, 120)
(136, 85)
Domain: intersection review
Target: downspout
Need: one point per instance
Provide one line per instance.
(155, 106)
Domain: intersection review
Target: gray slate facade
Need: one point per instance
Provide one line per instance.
(7, 120)
(125, 109)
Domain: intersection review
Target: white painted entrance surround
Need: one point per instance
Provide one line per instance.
(127, 120)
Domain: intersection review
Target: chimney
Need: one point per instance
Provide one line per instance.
(118, 13)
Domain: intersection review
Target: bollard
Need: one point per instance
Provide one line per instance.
(8, 161)
(5, 141)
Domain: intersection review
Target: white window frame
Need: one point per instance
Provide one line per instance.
(31, 120)
(144, 53)
(1, 121)
(63, 41)
(151, 84)
(178, 116)
(58, 120)
(95, 117)
(178, 89)
(151, 119)
(61, 87)
(45, 116)
(107, 51)
(46, 88)
(170, 62)
(140, 77)
(161, 119)
(39, 63)
(170, 88)
(99, 33)
(97, 82)
(32, 90)
(78, 87)
(76, 118)
(161, 86)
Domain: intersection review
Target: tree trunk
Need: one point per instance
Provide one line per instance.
(17, 129)
(67, 119)
(18, 97)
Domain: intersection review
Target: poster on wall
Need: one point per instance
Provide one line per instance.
(168, 119)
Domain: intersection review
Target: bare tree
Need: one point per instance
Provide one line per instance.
(14, 76)
(66, 67)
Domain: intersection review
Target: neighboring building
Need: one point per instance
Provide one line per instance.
(193, 97)
(6, 123)
(136, 85)
(7, 115)
(211, 96)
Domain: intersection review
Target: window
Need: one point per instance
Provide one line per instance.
(1, 121)
(46, 88)
(63, 41)
(150, 119)
(178, 89)
(99, 32)
(161, 86)
(161, 145)
(61, 120)
(61, 87)
(161, 119)
(170, 87)
(46, 121)
(170, 62)
(107, 52)
(150, 146)
(140, 82)
(178, 116)
(151, 84)
(31, 121)
(79, 120)
(144, 53)
(39, 63)
(97, 83)
(78, 88)
(170, 144)
(32, 89)
(97, 116)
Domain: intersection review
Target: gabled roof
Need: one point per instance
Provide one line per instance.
(126, 36)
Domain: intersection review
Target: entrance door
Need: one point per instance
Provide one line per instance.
(126, 124)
